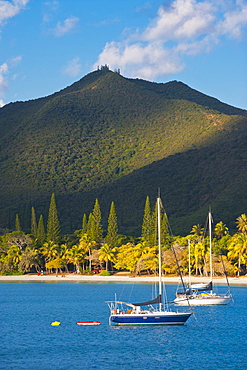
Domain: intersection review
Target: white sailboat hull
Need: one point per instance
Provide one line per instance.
(201, 294)
(202, 300)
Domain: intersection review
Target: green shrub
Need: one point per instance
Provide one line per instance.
(105, 273)
(15, 272)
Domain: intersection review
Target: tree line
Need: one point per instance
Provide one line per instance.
(91, 249)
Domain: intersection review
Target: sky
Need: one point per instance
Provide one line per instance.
(46, 45)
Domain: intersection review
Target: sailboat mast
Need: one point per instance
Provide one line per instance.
(210, 245)
(159, 245)
(189, 263)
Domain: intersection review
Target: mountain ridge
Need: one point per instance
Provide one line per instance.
(103, 130)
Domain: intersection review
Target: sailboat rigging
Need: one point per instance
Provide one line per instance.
(153, 312)
(202, 294)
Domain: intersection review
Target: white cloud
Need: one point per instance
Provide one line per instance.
(3, 80)
(49, 8)
(138, 60)
(16, 60)
(73, 67)
(184, 19)
(1, 103)
(186, 27)
(4, 70)
(64, 27)
(234, 21)
(9, 9)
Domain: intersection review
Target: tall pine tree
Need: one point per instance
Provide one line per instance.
(33, 223)
(112, 229)
(84, 224)
(17, 223)
(165, 237)
(147, 224)
(97, 222)
(90, 227)
(53, 227)
(41, 231)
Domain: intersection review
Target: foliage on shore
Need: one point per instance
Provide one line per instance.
(90, 250)
(106, 136)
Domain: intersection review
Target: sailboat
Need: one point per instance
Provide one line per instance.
(153, 312)
(202, 294)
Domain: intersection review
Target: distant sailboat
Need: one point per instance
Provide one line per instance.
(122, 313)
(202, 294)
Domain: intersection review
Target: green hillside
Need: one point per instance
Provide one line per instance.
(120, 139)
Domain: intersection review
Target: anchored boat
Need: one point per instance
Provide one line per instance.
(88, 323)
(153, 312)
(202, 294)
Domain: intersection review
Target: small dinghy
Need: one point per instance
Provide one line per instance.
(88, 323)
(55, 323)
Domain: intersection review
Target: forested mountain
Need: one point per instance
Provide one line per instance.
(119, 139)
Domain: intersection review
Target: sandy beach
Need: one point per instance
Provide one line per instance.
(234, 281)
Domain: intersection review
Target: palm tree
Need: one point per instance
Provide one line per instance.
(49, 250)
(107, 254)
(28, 260)
(14, 255)
(76, 256)
(148, 259)
(238, 249)
(242, 223)
(64, 254)
(198, 232)
(199, 256)
(221, 230)
(86, 244)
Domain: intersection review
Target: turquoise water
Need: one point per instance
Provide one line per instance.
(214, 338)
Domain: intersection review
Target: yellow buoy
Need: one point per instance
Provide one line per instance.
(55, 323)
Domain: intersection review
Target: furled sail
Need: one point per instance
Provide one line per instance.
(158, 299)
(198, 288)
(202, 287)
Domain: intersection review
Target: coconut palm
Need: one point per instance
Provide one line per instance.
(64, 254)
(13, 255)
(76, 256)
(242, 223)
(148, 259)
(200, 251)
(238, 249)
(107, 254)
(28, 260)
(198, 232)
(49, 250)
(86, 244)
(221, 230)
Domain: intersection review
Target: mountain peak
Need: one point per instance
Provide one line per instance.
(89, 79)
(107, 136)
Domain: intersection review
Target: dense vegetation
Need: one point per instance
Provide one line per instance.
(91, 249)
(119, 139)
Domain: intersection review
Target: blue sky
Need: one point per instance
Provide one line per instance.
(46, 45)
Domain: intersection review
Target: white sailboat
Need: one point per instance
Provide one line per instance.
(156, 313)
(202, 294)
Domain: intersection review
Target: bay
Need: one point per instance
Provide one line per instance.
(213, 338)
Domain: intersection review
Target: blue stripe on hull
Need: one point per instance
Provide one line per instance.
(149, 320)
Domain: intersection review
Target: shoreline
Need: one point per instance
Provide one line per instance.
(233, 281)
